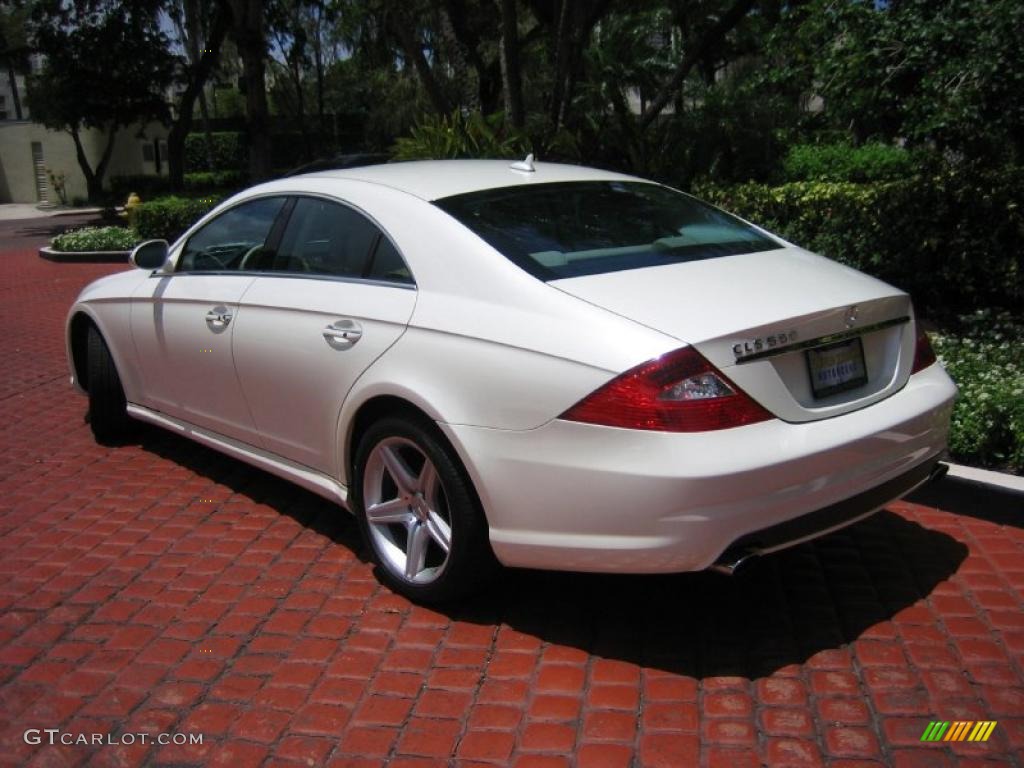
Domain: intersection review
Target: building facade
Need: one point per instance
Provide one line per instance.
(33, 158)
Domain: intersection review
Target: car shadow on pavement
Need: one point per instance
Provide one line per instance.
(779, 610)
(1002, 506)
(308, 509)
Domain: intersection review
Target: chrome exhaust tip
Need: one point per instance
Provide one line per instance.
(731, 561)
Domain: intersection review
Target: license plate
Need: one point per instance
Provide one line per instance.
(836, 367)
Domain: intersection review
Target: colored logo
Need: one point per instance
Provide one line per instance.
(959, 730)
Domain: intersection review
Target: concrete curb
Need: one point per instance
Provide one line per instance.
(1000, 480)
(84, 257)
(27, 212)
(74, 212)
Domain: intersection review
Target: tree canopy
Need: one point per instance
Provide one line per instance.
(107, 65)
(699, 88)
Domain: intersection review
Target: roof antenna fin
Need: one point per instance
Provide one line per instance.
(524, 165)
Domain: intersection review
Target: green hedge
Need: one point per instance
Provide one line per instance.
(984, 356)
(227, 150)
(842, 162)
(953, 239)
(206, 181)
(168, 217)
(150, 187)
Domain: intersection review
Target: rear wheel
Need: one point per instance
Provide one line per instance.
(108, 416)
(419, 514)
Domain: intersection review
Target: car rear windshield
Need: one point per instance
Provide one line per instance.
(571, 229)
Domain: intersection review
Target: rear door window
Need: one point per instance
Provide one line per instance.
(325, 238)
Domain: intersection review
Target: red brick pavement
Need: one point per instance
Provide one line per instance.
(161, 588)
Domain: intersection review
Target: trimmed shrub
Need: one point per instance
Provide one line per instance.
(841, 162)
(96, 239)
(227, 151)
(207, 181)
(951, 239)
(168, 217)
(984, 356)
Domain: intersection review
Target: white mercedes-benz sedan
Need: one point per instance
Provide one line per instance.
(531, 364)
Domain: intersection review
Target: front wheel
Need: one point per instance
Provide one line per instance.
(419, 514)
(108, 415)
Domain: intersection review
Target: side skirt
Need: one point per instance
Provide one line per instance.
(303, 476)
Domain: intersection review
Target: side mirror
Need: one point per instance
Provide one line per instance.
(150, 255)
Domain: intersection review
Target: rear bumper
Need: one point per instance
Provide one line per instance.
(825, 521)
(571, 496)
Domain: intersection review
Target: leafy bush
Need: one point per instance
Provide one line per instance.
(205, 181)
(841, 162)
(167, 217)
(986, 359)
(96, 239)
(227, 151)
(144, 185)
(952, 239)
(457, 135)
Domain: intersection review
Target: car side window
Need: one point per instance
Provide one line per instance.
(325, 238)
(387, 264)
(235, 240)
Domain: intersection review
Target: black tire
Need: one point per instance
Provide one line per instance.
(470, 563)
(108, 416)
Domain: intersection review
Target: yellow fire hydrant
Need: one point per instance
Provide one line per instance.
(130, 205)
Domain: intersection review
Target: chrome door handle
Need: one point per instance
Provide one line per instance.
(218, 316)
(343, 333)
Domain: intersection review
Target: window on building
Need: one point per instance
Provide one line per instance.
(39, 166)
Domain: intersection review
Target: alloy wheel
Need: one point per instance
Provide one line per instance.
(407, 511)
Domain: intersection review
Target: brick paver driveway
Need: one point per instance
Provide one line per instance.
(158, 587)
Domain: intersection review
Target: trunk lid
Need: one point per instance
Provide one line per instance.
(767, 319)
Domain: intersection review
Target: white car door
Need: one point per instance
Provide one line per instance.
(331, 299)
(182, 323)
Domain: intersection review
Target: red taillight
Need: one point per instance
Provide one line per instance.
(924, 355)
(678, 392)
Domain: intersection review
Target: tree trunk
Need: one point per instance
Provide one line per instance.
(563, 42)
(300, 109)
(711, 38)
(455, 14)
(414, 54)
(182, 125)
(12, 79)
(196, 30)
(204, 118)
(457, 53)
(511, 73)
(252, 47)
(94, 179)
(257, 112)
(318, 64)
(83, 163)
(101, 167)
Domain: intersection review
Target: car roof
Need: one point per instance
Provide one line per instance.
(435, 179)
